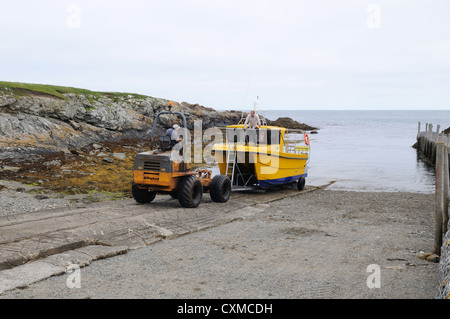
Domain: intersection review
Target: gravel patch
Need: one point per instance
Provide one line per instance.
(17, 198)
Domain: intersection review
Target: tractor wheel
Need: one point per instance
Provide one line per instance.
(174, 194)
(190, 192)
(301, 184)
(142, 196)
(220, 189)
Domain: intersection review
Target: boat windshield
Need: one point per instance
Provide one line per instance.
(263, 136)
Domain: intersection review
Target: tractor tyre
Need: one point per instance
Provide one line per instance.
(301, 184)
(220, 189)
(142, 196)
(174, 194)
(190, 192)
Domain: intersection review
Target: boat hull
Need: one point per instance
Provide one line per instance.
(280, 181)
(271, 168)
(275, 171)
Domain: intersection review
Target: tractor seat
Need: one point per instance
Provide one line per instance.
(165, 143)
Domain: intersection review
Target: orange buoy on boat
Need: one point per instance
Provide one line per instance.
(306, 139)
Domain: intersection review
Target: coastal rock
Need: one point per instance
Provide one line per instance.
(433, 258)
(291, 124)
(35, 134)
(430, 257)
(6, 101)
(120, 156)
(41, 123)
(52, 120)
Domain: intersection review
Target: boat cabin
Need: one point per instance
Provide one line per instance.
(263, 158)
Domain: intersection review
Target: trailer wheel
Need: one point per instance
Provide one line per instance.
(220, 190)
(301, 184)
(190, 192)
(142, 196)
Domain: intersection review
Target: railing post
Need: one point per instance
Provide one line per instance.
(446, 186)
(429, 145)
(441, 194)
(434, 140)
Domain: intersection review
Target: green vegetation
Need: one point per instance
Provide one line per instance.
(24, 89)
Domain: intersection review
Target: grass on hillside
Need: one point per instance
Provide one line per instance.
(58, 91)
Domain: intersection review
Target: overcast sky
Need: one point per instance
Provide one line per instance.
(294, 54)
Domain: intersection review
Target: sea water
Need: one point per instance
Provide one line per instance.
(368, 150)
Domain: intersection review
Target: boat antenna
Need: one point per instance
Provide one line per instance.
(248, 88)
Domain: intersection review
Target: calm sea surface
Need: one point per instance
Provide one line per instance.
(368, 150)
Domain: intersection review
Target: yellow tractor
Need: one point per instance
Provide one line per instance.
(163, 171)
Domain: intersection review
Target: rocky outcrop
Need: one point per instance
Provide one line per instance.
(291, 124)
(35, 123)
(52, 119)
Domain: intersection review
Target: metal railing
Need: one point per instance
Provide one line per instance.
(295, 143)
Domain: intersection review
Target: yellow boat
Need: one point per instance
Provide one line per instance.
(268, 157)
